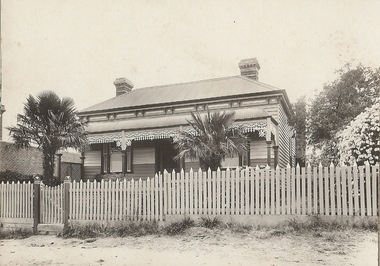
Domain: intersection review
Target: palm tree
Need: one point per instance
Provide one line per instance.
(52, 124)
(211, 139)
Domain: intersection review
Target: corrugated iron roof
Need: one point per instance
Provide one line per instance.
(184, 92)
(166, 121)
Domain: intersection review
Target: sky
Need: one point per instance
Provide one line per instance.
(77, 48)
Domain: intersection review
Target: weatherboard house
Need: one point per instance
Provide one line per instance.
(132, 133)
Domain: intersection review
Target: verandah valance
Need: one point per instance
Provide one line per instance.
(260, 127)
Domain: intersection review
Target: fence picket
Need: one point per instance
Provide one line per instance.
(309, 180)
(368, 189)
(320, 189)
(298, 189)
(191, 188)
(223, 196)
(246, 191)
(349, 192)
(362, 191)
(356, 190)
(338, 191)
(344, 189)
(233, 201)
(186, 192)
(217, 191)
(196, 190)
(277, 194)
(332, 190)
(375, 170)
(160, 197)
(303, 191)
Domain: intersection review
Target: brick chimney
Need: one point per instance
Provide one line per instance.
(122, 85)
(250, 68)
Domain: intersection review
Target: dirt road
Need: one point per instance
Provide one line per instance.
(199, 246)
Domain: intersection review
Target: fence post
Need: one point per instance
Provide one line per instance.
(82, 157)
(36, 202)
(66, 202)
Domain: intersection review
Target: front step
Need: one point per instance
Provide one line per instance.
(49, 229)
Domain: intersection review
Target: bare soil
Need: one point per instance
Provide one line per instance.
(199, 246)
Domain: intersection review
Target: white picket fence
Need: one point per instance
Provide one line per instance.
(328, 191)
(331, 191)
(16, 200)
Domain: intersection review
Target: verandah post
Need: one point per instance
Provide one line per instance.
(66, 202)
(36, 202)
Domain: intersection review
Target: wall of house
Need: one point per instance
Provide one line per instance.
(143, 163)
(191, 164)
(286, 151)
(258, 153)
(92, 164)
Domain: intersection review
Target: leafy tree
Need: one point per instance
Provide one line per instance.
(359, 141)
(52, 124)
(211, 140)
(338, 104)
(298, 121)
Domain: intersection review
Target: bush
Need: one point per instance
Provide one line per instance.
(180, 227)
(210, 222)
(11, 176)
(16, 234)
(121, 229)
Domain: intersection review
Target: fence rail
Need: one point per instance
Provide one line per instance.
(329, 191)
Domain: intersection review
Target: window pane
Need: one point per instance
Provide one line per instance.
(115, 162)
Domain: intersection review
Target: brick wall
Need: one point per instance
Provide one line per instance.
(27, 161)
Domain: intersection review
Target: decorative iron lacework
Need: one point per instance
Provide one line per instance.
(165, 134)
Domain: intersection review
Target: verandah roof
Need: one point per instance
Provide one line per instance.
(248, 120)
(260, 127)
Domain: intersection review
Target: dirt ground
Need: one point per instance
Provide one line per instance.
(198, 246)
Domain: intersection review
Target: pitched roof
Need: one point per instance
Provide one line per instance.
(184, 92)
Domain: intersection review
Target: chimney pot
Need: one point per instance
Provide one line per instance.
(250, 68)
(122, 85)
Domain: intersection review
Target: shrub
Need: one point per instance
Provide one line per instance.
(16, 234)
(121, 229)
(179, 227)
(82, 231)
(210, 222)
(11, 176)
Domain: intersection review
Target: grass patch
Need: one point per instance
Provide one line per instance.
(239, 228)
(20, 233)
(180, 227)
(317, 223)
(121, 229)
(210, 222)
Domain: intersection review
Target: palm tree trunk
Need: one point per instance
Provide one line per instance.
(48, 167)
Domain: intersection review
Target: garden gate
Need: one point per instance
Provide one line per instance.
(51, 204)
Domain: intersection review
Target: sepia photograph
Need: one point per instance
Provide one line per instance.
(189, 132)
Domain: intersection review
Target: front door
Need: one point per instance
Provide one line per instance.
(165, 153)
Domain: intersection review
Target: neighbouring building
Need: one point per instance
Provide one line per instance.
(134, 130)
(29, 161)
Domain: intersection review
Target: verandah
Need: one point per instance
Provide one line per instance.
(328, 191)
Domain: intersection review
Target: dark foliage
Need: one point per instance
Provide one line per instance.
(11, 176)
(210, 222)
(180, 227)
(211, 140)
